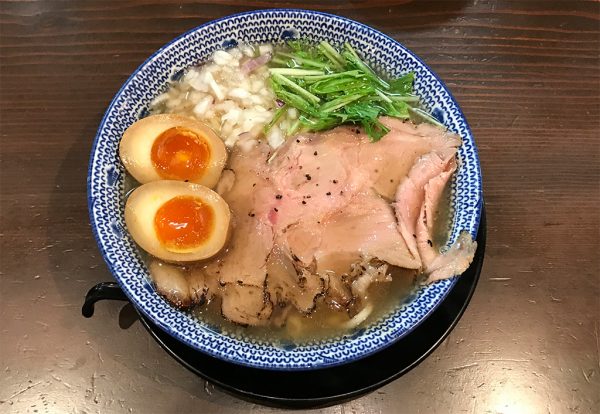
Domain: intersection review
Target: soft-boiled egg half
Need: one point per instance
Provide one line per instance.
(177, 221)
(172, 147)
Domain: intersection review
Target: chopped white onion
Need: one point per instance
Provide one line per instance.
(239, 93)
(234, 102)
(264, 49)
(275, 137)
(247, 50)
(202, 106)
(222, 58)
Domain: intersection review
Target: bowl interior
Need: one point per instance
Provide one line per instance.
(106, 198)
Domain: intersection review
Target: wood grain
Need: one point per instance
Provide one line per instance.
(526, 74)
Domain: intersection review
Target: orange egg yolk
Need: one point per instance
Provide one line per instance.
(183, 223)
(180, 154)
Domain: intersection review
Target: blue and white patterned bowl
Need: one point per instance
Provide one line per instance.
(106, 196)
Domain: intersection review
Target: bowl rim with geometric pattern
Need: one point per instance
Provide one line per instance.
(106, 178)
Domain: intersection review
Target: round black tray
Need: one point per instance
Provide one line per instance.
(326, 386)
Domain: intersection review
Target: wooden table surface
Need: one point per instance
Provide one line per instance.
(526, 74)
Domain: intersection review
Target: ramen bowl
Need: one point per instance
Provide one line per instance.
(106, 185)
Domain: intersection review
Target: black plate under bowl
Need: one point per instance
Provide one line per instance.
(326, 385)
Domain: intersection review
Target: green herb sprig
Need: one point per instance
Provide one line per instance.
(330, 87)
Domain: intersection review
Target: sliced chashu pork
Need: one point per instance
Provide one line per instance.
(290, 283)
(416, 204)
(246, 304)
(391, 158)
(319, 173)
(242, 268)
(364, 230)
(315, 174)
(365, 227)
(182, 286)
(410, 194)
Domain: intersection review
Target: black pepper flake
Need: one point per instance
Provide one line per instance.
(328, 193)
(430, 243)
(240, 282)
(318, 222)
(415, 236)
(391, 181)
(308, 177)
(315, 153)
(275, 208)
(296, 259)
(278, 196)
(303, 202)
(341, 193)
(298, 141)
(254, 185)
(299, 167)
(335, 181)
(251, 214)
(317, 184)
(187, 181)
